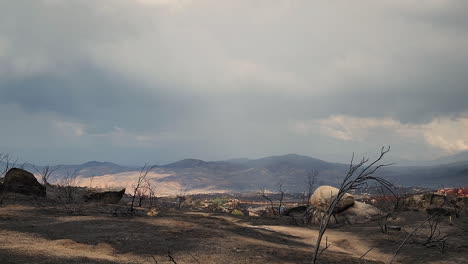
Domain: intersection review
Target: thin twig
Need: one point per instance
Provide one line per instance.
(408, 236)
(327, 245)
(363, 255)
(171, 259)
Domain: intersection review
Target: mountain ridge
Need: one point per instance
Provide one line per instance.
(253, 174)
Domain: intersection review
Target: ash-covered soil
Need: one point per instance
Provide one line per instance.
(92, 233)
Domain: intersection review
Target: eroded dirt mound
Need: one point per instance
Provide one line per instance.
(21, 181)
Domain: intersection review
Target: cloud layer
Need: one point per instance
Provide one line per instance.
(137, 80)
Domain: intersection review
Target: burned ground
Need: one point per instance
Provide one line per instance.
(93, 234)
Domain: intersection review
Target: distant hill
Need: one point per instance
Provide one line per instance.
(292, 170)
(456, 158)
(444, 175)
(246, 175)
(88, 169)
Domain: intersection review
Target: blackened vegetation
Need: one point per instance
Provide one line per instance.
(110, 197)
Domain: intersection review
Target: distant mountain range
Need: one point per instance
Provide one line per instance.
(245, 175)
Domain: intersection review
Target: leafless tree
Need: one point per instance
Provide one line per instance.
(67, 186)
(388, 205)
(281, 192)
(142, 179)
(141, 193)
(45, 173)
(263, 193)
(435, 236)
(358, 176)
(151, 191)
(8, 162)
(276, 210)
(181, 197)
(434, 228)
(310, 183)
(91, 182)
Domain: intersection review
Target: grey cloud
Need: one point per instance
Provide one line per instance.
(227, 78)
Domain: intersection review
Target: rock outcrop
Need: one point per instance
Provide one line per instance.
(426, 200)
(23, 182)
(111, 197)
(436, 202)
(323, 196)
(347, 211)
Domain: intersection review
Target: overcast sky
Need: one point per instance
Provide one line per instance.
(132, 81)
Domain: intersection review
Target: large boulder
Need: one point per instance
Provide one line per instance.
(358, 213)
(21, 181)
(111, 197)
(323, 196)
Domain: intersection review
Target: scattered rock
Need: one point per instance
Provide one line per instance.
(232, 204)
(261, 211)
(223, 209)
(22, 181)
(395, 228)
(152, 212)
(237, 212)
(111, 197)
(323, 196)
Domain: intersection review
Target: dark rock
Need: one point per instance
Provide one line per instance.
(395, 228)
(440, 211)
(110, 197)
(21, 181)
(298, 210)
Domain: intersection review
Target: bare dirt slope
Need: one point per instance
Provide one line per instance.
(51, 234)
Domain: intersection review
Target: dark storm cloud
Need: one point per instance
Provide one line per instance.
(98, 98)
(221, 79)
